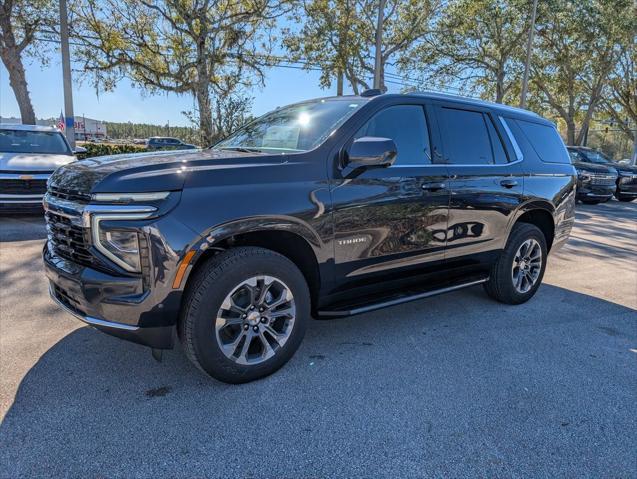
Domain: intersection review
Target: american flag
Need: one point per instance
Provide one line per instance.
(60, 124)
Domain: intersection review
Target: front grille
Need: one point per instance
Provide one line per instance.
(65, 298)
(17, 186)
(602, 180)
(70, 195)
(67, 239)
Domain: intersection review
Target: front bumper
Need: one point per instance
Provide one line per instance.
(92, 296)
(595, 192)
(627, 186)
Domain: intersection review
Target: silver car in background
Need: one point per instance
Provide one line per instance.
(28, 156)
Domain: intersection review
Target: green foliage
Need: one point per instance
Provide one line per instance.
(103, 149)
(194, 47)
(130, 131)
(579, 43)
(477, 45)
(338, 36)
(330, 39)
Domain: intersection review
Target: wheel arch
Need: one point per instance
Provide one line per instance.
(288, 237)
(540, 214)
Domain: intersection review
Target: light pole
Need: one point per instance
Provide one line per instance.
(69, 127)
(527, 63)
(379, 44)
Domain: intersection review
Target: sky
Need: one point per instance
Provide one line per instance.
(282, 86)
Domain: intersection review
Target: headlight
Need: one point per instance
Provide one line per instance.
(583, 175)
(123, 248)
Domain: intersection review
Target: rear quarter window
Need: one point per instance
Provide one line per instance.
(545, 140)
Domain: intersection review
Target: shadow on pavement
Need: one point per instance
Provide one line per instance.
(452, 386)
(22, 227)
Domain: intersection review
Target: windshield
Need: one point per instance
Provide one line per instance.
(596, 157)
(294, 128)
(22, 141)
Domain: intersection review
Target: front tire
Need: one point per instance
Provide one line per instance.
(625, 199)
(518, 273)
(591, 202)
(244, 314)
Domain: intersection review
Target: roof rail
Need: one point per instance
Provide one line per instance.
(372, 92)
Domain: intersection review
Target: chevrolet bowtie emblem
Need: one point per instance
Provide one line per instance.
(26, 177)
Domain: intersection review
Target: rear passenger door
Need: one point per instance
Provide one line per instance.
(486, 180)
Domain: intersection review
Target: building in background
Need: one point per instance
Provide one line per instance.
(86, 129)
(89, 129)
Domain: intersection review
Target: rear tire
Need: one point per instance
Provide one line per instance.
(625, 199)
(245, 313)
(503, 284)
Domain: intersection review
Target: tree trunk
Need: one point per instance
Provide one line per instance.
(17, 80)
(570, 132)
(499, 86)
(202, 96)
(339, 83)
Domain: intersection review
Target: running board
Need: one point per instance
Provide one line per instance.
(399, 298)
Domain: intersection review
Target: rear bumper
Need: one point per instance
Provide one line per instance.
(92, 296)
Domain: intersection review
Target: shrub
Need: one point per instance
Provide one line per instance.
(103, 149)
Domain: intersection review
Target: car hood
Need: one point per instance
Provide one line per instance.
(152, 171)
(32, 162)
(626, 170)
(594, 167)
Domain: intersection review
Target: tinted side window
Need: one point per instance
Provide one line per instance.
(466, 137)
(499, 154)
(407, 126)
(546, 141)
(574, 155)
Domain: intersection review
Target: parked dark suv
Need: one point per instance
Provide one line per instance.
(329, 207)
(167, 143)
(616, 179)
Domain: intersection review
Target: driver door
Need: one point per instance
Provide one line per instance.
(392, 218)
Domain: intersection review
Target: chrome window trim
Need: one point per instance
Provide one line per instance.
(516, 147)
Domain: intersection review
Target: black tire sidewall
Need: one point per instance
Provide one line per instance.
(203, 315)
(519, 235)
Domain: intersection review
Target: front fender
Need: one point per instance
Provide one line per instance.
(219, 233)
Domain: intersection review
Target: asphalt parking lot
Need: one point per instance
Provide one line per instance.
(452, 386)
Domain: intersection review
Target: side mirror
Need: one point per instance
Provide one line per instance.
(371, 151)
(79, 150)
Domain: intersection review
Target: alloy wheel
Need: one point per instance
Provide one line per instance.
(255, 320)
(527, 265)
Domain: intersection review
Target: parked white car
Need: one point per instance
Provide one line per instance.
(28, 156)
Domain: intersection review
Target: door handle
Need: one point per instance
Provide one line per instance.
(509, 183)
(433, 186)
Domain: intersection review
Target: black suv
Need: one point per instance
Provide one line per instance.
(330, 207)
(601, 176)
(167, 143)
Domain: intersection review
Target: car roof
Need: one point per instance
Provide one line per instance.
(20, 127)
(497, 107)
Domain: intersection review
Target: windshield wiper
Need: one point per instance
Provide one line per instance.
(242, 149)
